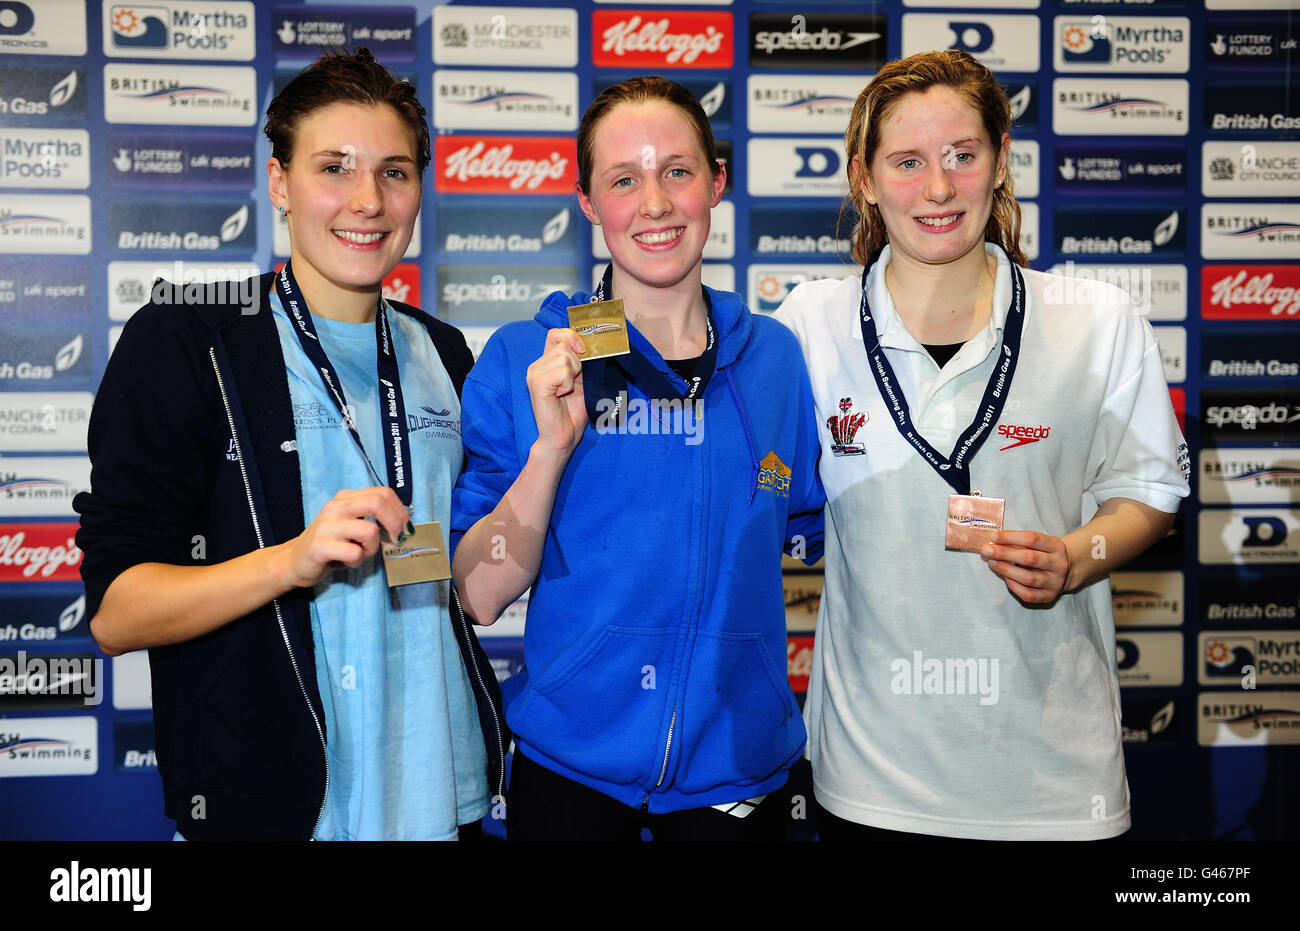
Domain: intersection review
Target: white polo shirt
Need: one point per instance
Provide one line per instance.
(938, 703)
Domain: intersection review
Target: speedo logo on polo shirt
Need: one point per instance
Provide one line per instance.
(1022, 436)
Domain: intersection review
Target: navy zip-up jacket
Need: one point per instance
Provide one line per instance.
(194, 462)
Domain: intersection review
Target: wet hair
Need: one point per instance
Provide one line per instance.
(341, 76)
(642, 90)
(976, 85)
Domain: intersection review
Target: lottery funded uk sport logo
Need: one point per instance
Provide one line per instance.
(844, 429)
(303, 32)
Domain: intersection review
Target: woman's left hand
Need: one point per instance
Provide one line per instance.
(1034, 565)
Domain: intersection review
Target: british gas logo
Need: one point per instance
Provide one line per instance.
(774, 475)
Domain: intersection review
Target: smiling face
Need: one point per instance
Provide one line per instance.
(651, 191)
(352, 194)
(933, 176)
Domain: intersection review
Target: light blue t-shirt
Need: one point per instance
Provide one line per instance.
(406, 755)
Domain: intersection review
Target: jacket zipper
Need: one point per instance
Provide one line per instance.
(663, 770)
(275, 602)
(672, 721)
(478, 674)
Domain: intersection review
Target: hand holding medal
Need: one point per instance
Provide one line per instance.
(556, 391)
(1034, 565)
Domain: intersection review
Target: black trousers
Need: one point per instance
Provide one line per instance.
(543, 805)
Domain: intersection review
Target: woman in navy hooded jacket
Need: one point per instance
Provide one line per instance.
(645, 500)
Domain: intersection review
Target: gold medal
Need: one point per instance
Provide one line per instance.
(603, 328)
(421, 557)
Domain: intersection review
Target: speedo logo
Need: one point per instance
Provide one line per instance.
(1250, 415)
(1022, 436)
(823, 39)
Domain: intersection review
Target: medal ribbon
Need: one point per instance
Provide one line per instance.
(610, 376)
(954, 469)
(391, 409)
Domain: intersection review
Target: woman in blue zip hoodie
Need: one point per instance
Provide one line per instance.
(645, 500)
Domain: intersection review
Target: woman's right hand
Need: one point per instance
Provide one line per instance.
(555, 388)
(342, 534)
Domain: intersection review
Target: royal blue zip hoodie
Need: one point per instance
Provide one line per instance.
(655, 644)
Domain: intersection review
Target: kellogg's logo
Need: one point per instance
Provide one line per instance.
(506, 164)
(39, 553)
(798, 662)
(659, 39)
(1250, 292)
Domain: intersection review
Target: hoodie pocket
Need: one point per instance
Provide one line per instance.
(601, 713)
(741, 724)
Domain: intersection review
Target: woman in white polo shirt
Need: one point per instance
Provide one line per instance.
(971, 693)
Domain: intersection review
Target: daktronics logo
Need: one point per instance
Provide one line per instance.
(1250, 292)
(817, 40)
(658, 39)
(44, 552)
(43, 27)
(1022, 436)
(1227, 537)
(506, 164)
(1005, 43)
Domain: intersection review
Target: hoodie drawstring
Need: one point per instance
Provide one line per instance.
(749, 433)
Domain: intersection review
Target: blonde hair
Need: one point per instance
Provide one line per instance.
(978, 87)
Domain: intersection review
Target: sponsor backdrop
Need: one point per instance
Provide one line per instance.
(1157, 146)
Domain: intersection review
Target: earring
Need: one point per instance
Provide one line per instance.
(282, 210)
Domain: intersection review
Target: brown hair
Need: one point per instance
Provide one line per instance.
(344, 77)
(642, 90)
(978, 87)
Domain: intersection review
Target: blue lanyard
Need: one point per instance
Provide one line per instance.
(954, 469)
(392, 410)
(609, 377)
